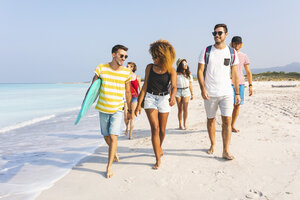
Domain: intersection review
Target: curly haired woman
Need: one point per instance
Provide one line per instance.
(158, 94)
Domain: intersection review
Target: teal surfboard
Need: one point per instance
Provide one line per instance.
(90, 98)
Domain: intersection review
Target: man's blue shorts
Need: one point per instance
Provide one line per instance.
(242, 91)
(111, 124)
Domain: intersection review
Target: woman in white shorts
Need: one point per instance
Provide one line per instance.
(155, 93)
(184, 91)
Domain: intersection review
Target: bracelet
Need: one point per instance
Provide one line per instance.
(250, 85)
(129, 111)
(237, 94)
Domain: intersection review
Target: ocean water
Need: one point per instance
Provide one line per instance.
(23, 104)
(39, 142)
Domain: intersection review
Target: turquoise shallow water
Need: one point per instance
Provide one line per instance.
(39, 142)
(22, 104)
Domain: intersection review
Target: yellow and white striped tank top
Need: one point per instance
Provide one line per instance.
(112, 88)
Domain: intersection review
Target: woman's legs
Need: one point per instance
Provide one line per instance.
(179, 106)
(152, 115)
(133, 106)
(163, 118)
(185, 103)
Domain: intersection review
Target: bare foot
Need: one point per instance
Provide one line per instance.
(235, 130)
(161, 153)
(109, 173)
(126, 132)
(180, 128)
(228, 156)
(116, 158)
(211, 149)
(185, 127)
(156, 166)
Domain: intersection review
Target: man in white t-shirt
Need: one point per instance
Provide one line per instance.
(215, 85)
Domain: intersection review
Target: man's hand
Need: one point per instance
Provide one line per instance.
(129, 115)
(204, 94)
(237, 100)
(250, 91)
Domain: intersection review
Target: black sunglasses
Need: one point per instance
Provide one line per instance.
(217, 32)
(122, 56)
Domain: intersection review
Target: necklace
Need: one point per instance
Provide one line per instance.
(160, 70)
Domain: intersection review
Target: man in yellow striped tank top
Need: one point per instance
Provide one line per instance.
(115, 80)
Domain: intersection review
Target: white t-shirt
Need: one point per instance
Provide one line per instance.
(217, 78)
(183, 82)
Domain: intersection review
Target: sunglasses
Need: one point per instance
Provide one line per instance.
(122, 56)
(217, 32)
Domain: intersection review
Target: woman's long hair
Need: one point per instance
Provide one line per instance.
(165, 52)
(180, 69)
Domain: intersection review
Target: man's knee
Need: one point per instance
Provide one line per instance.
(113, 138)
(226, 121)
(211, 120)
(236, 106)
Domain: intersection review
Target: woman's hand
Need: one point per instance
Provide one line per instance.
(171, 101)
(138, 110)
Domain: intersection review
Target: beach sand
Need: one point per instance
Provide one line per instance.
(266, 150)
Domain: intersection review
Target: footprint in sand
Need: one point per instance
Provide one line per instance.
(255, 194)
(219, 174)
(129, 180)
(196, 172)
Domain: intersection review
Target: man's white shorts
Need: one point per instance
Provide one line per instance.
(224, 102)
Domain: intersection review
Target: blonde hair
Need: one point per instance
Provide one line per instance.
(165, 53)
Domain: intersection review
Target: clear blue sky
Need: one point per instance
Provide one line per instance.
(63, 41)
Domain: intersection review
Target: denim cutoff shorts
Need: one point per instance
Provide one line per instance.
(183, 92)
(111, 124)
(134, 99)
(161, 103)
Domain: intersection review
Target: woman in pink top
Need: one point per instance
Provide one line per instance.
(237, 44)
(135, 88)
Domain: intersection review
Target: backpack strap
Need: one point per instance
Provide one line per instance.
(232, 59)
(232, 55)
(206, 58)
